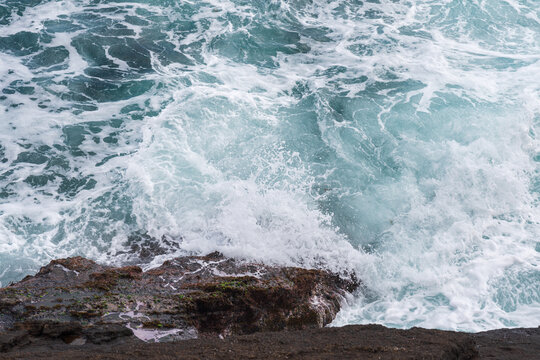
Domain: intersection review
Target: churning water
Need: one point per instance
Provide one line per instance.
(398, 139)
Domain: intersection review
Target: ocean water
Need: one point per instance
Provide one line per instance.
(397, 139)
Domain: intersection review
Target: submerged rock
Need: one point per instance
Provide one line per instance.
(78, 301)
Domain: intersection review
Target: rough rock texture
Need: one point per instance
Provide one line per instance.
(349, 342)
(76, 301)
(76, 309)
(509, 343)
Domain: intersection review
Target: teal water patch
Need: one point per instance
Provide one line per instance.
(393, 139)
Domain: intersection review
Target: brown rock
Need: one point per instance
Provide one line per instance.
(69, 299)
(348, 342)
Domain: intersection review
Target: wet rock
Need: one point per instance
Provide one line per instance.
(146, 248)
(106, 333)
(77, 301)
(12, 339)
(348, 342)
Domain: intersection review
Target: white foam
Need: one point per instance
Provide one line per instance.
(441, 195)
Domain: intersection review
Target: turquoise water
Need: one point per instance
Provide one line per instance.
(395, 139)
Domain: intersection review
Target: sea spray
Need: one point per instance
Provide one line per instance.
(397, 140)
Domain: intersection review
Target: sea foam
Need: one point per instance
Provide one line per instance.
(396, 140)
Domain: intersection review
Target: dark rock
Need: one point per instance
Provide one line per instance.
(348, 342)
(77, 301)
(509, 343)
(77, 309)
(147, 248)
(59, 329)
(12, 339)
(106, 333)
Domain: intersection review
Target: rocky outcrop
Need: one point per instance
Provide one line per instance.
(77, 301)
(348, 342)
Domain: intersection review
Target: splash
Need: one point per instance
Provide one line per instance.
(394, 139)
